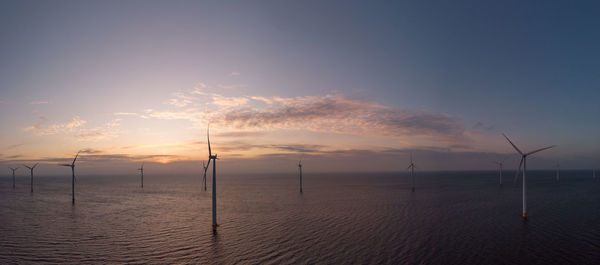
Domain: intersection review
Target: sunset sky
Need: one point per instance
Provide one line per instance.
(346, 86)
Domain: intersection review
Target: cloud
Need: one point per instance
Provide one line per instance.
(106, 131)
(263, 99)
(40, 128)
(76, 128)
(180, 100)
(201, 86)
(228, 101)
(298, 148)
(125, 114)
(239, 134)
(339, 114)
(14, 146)
(38, 102)
(234, 74)
(90, 151)
(332, 113)
(480, 126)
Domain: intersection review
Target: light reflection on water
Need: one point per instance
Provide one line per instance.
(452, 218)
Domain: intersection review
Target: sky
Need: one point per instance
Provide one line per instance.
(342, 85)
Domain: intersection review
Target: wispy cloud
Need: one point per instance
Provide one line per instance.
(38, 102)
(76, 128)
(333, 113)
(40, 129)
(239, 134)
(234, 74)
(480, 126)
(180, 100)
(228, 101)
(91, 151)
(14, 146)
(339, 114)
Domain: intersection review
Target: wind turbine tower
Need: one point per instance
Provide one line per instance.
(524, 164)
(300, 168)
(141, 169)
(72, 166)
(214, 182)
(31, 169)
(13, 171)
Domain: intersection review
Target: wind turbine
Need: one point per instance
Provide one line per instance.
(300, 168)
(205, 167)
(594, 173)
(31, 169)
(499, 163)
(412, 172)
(524, 164)
(13, 170)
(141, 169)
(214, 182)
(72, 165)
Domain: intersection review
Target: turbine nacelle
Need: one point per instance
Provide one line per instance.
(32, 167)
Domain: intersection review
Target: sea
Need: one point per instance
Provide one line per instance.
(339, 218)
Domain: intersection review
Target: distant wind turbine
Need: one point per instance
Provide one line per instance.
(72, 166)
(594, 173)
(13, 171)
(499, 163)
(214, 181)
(412, 172)
(31, 169)
(300, 168)
(141, 169)
(524, 164)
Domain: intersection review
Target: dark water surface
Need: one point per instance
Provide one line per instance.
(452, 218)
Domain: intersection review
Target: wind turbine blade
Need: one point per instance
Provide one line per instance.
(511, 143)
(35, 165)
(207, 164)
(66, 165)
(26, 166)
(539, 150)
(208, 137)
(518, 171)
(76, 157)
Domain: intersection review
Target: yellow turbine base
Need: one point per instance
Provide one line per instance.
(524, 215)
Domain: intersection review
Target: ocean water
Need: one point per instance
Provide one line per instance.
(371, 218)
